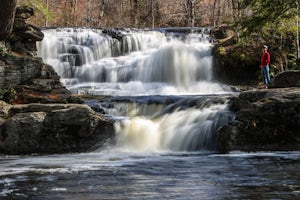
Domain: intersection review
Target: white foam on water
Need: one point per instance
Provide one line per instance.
(149, 62)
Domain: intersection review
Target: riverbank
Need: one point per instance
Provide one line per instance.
(41, 116)
(51, 128)
(266, 120)
(37, 113)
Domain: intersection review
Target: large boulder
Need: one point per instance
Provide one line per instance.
(52, 128)
(266, 120)
(286, 79)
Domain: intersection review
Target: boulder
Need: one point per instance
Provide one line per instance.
(286, 79)
(20, 133)
(266, 120)
(52, 128)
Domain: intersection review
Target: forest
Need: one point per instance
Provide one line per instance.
(275, 22)
(248, 23)
(127, 13)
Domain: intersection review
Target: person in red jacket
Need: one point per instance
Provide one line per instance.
(264, 66)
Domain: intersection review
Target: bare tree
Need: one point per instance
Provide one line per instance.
(129, 13)
(190, 5)
(101, 12)
(217, 12)
(135, 12)
(297, 34)
(152, 13)
(7, 16)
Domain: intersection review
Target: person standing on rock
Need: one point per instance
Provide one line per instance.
(264, 66)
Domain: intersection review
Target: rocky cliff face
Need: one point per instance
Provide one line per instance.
(32, 123)
(266, 120)
(51, 128)
(25, 73)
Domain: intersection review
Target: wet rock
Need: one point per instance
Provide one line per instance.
(53, 128)
(266, 120)
(115, 33)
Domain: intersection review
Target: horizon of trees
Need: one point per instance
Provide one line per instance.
(131, 13)
(276, 21)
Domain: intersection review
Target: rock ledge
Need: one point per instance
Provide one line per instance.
(266, 120)
(51, 128)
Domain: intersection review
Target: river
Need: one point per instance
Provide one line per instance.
(158, 88)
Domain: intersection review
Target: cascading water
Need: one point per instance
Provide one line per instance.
(160, 92)
(146, 62)
(135, 64)
(185, 130)
(165, 123)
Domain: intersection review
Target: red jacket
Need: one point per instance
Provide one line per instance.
(265, 59)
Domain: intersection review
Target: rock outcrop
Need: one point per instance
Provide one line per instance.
(25, 36)
(51, 128)
(266, 120)
(20, 70)
(38, 120)
(286, 79)
(33, 81)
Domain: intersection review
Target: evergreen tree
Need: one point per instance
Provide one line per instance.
(266, 14)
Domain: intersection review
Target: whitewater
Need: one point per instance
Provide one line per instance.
(159, 89)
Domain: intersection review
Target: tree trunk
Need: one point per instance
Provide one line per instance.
(88, 14)
(7, 16)
(152, 13)
(101, 12)
(135, 13)
(46, 20)
(297, 34)
(191, 8)
(216, 12)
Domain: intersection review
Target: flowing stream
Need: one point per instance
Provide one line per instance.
(158, 88)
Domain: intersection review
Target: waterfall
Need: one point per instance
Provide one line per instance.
(155, 82)
(188, 130)
(169, 123)
(144, 61)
